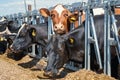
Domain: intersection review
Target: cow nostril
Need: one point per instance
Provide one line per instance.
(55, 27)
(61, 26)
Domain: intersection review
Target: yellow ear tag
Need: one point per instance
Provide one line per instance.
(33, 33)
(72, 19)
(1, 39)
(71, 40)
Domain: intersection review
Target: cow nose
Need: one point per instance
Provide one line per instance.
(55, 27)
(59, 27)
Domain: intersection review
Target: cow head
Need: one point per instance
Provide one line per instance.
(24, 38)
(3, 24)
(57, 55)
(13, 26)
(60, 17)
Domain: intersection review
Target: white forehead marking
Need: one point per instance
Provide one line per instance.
(59, 9)
(3, 19)
(21, 28)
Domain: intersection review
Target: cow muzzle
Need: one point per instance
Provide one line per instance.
(59, 28)
(15, 50)
(51, 73)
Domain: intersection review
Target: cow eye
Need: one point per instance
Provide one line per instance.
(52, 15)
(66, 15)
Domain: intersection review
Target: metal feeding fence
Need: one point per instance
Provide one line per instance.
(109, 26)
(33, 17)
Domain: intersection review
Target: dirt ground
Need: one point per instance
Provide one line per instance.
(28, 69)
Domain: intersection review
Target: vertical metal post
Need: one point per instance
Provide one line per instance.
(105, 44)
(50, 27)
(35, 4)
(72, 26)
(86, 35)
(20, 18)
(87, 45)
(80, 18)
(88, 40)
(107, 55)
(33, 51)
(108, 47)
(25, 6)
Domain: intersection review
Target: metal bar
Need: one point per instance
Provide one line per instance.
(72, 27)
(116, 35)
(86, 41)
(32, 54)
(35, 4)
(99, 4)
(87, 45)
(107, 54)
(80, 18)
(25, 6)
(50, 27)
(98, 57)
(108, 47)
(105, 42)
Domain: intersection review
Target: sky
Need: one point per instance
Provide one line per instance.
(8, 7)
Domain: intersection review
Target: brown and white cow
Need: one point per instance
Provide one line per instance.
(61, 18)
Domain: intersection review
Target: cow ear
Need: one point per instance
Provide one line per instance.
(73, 17)
(44, 12)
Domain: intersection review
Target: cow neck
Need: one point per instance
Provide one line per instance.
(39, 42)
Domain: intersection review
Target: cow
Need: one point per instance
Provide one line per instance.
(8, 26)
(8, 30)
(68, 46)
(28, 35)
(43, 9)
(61, 18)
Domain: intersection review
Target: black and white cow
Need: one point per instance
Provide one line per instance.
(71, 46)
(8, 30)
(28, 35)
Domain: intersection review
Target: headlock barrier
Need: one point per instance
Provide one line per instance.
(33, 17)
(109, 26)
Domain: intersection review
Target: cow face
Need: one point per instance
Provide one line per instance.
(62, 18)
(23, 39)
(59, 16)
(3, 24)
(56, 56)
